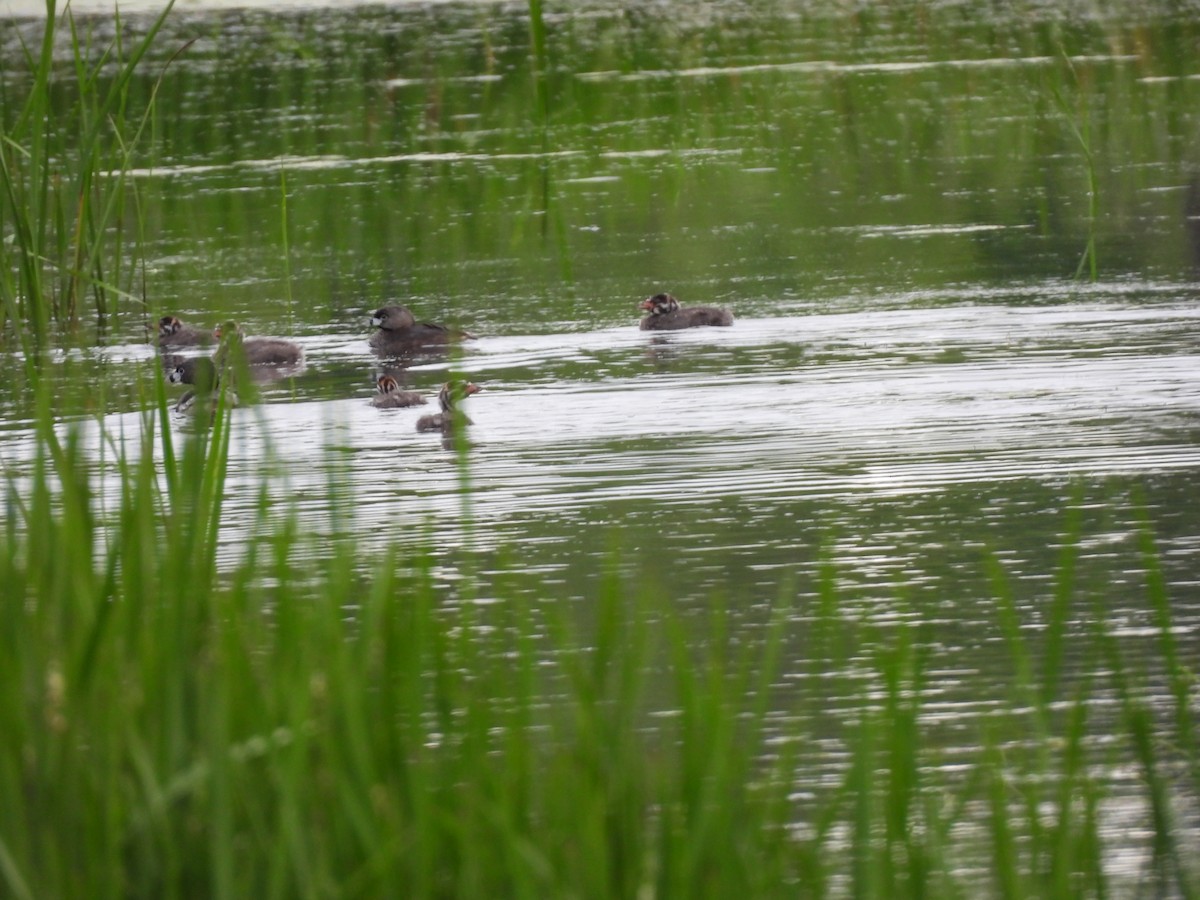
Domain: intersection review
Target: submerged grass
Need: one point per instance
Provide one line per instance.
(299, 724)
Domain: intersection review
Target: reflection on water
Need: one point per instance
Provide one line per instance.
(910, 384)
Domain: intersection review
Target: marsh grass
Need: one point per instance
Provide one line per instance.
(1080, 125)
(316, 724)
(64, 171)
(303, 721)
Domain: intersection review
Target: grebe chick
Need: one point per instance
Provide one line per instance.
(174, 333)
(448, 396)
(257, 351)
(667, 315)
(391, 397)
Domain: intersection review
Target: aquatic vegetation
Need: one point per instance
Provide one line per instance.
(66, 189)
(302, 723)
(1081, 129)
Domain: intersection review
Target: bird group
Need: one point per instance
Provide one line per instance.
(237, 360)
(398, 336)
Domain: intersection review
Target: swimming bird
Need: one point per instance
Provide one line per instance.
(174, 333)
(448, 396)
(255, 351)
(391, 397)
(201, 373)
(667, 315)
(400, 332)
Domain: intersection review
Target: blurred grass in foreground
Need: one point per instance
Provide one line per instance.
(295, 727)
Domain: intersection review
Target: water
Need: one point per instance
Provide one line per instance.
(893, 209)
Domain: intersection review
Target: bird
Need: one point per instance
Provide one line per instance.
(391, 397)
(198, 371)
(400, 333)
(201, 373)
(174, 333)
(667, 315)
(255, 351)
(448, 396)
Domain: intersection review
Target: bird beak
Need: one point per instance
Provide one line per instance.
(646, 304)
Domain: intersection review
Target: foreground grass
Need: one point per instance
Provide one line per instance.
(291, 726)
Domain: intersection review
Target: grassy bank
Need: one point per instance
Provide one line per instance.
(321, 725)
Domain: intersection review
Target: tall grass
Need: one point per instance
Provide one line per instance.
(176, 732)
(65, 187)
(1081, 130)
(300, 724)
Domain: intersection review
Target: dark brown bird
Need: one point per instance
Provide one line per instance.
(391, 397)
(201, 374)
(448, 396)
(257, 351)
(400, 333)
(198, 371)
(667, 315)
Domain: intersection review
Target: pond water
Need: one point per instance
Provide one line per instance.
(894, 203)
